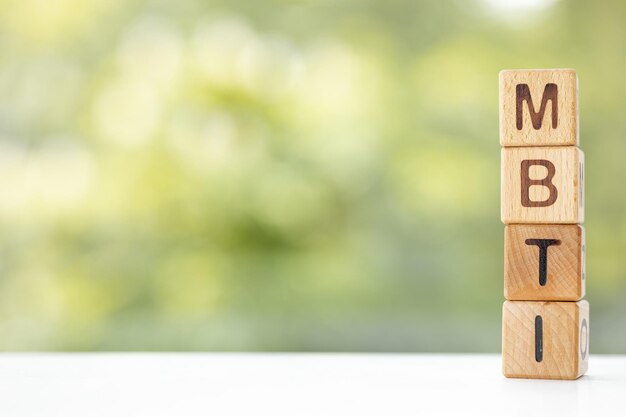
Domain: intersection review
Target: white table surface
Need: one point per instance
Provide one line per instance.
(198, 384)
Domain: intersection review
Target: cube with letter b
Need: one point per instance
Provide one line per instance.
(542, 185)
(539, 107)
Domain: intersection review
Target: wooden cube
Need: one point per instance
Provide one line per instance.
(542, 185)
(545, 339)
(538, 107)
(544, 262)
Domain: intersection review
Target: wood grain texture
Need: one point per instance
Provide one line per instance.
(542, 185)
(565, 339)
(564, 262)
(526, 107)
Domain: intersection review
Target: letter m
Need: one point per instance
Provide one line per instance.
(522, 94)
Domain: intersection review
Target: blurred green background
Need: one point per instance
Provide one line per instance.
(284, 175)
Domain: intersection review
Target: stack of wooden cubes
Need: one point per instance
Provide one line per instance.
(545, 321)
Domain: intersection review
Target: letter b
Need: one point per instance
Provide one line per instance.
(527, 182)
